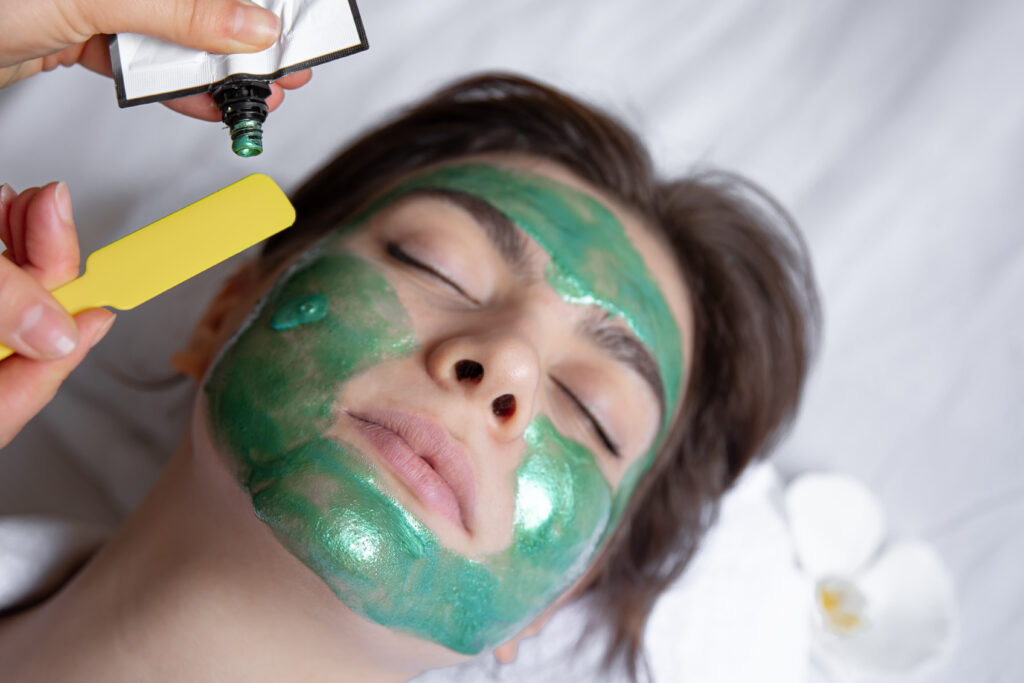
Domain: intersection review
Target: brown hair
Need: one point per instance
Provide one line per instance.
(752, 290)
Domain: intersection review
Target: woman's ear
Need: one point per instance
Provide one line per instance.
(234, 299)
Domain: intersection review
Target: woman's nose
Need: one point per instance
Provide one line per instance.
(497, 373)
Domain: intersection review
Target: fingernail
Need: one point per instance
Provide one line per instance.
(255, 25)
(7, 195)
(50, 332)
(102, 332)
(63, 198)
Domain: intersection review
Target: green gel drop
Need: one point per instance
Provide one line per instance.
(301, 311)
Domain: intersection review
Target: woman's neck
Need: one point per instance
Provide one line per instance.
(195, 588)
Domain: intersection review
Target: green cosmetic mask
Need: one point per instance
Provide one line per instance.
(271, 397)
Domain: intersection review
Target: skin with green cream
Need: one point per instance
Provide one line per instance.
(271, 398)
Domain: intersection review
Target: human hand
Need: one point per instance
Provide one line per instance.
(37, 228)
(41, 35)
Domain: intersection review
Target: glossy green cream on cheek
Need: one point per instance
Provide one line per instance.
(270, 404)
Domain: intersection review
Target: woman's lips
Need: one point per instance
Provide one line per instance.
(425, 457)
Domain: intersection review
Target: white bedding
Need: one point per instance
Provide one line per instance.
(893, 130)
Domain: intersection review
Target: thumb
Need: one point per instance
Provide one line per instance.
(211, 25)
(42, 27)
(31, 321)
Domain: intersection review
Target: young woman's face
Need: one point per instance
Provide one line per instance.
(443, 408)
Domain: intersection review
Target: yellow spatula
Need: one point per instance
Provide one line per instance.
(148, 262)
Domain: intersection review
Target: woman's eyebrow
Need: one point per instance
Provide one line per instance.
(506, 237)
(625, 348)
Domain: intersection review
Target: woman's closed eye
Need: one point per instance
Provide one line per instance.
(400, 255)
(595, 424)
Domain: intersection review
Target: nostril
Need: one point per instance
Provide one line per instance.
(469, 370)
(504, 405)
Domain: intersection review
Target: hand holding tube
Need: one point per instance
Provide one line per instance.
(40, 36)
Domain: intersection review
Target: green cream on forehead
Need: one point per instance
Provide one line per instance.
(271, 406)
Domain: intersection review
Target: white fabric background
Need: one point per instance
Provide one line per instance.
(893, 130)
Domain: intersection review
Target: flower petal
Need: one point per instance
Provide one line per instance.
(836, 522)
(910, 615)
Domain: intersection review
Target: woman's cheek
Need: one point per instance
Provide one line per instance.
(273, 387)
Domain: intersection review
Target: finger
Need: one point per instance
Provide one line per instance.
(27, 385)
(51, 244)
(295, 80)
(197, 106)
(65, 57)
(16, 72)
(94, 55)
(212, 25)
(275, 98)
(36, 29)
(16, 217)
(32, 323)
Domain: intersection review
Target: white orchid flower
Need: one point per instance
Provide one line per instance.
(877, 610)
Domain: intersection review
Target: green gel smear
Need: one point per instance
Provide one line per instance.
(270, 398)
(270, 403)
(301, 311)
(393, 570)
